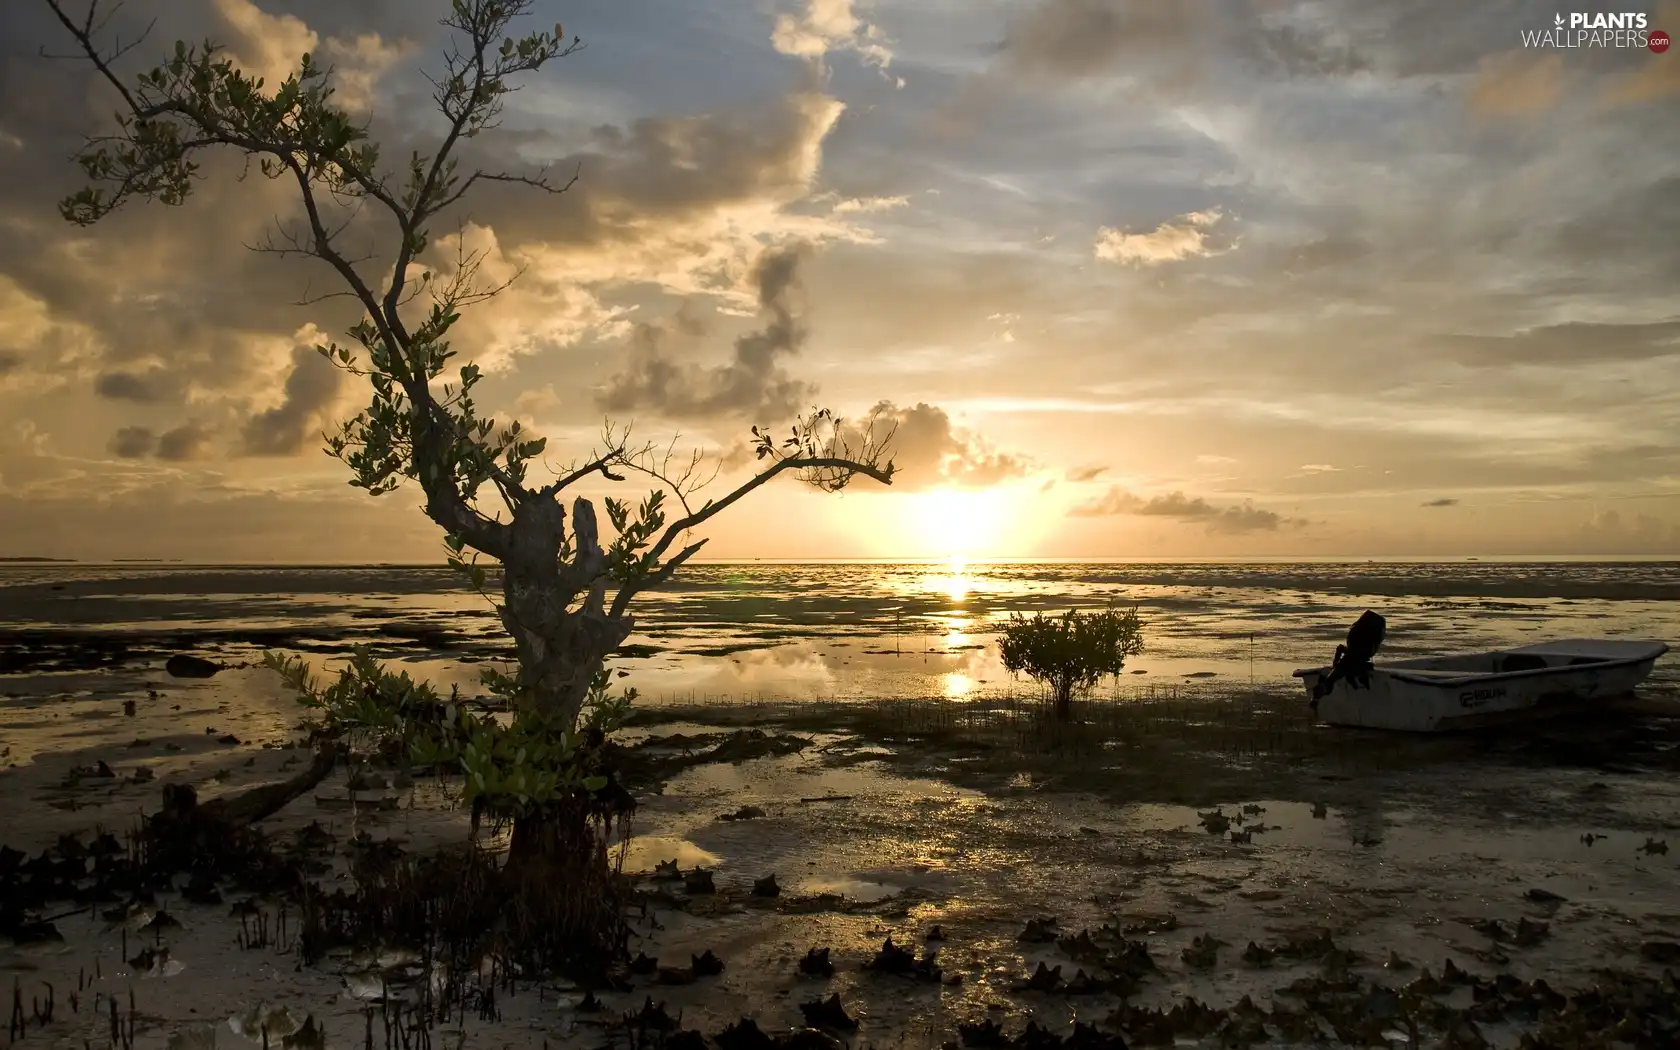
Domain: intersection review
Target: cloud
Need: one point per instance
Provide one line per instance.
(1078, 474)
(1072, 38)
(1649, 81)
(754, 384)
(1319, 468)
(133, 443)
(1172, 47)
(1444, 501)
(1168, 242)
(1238, 518)
(154, 386)
(1518, 84)
(823, 26)
(265, 45)
(185, 442)
(270, 46)
(929, 450)
(682, 204)
(310, 397)
(867, 205)
(1568, 344)
(1610, 532)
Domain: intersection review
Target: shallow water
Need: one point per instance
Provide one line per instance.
(758, 631)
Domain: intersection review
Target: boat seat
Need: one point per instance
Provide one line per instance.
(1522, 662)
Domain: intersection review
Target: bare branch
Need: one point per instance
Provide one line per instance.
(537, 182)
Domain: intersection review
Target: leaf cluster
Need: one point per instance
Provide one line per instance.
(1072, 652)
(508, 764)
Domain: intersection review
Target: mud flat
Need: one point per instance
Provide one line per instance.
(1167, 875)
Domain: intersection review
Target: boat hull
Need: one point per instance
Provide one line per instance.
(1415, 696)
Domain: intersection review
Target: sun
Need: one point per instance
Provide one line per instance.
(958, 525)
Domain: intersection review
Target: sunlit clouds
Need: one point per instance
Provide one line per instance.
(1186, 238)
(1225, 278)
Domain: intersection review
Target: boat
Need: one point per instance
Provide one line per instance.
(1466, 690)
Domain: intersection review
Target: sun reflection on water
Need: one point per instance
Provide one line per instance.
(955, 582)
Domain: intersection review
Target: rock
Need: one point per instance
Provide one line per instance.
(699, 881)
(1039, 931)
(184, 665)
(1043, 979)
(983, 1035)
(828, 1013)
(707, 964)
(767, 886)
(892, 959)
(1203, 953)
(816, 963)
(744, 1035)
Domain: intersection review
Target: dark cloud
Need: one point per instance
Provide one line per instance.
(754, 384)
(10, 361)
(1079, 37)
(1568, 344)
(1444, 501)
(1085, 473)
(178, 284)
(186, 442)
(133, 443)
(929, 450)
(311, 392)
(1243, 517)
(1171, 44)
(151, 387)
(1628, 237)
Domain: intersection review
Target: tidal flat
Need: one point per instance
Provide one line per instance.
(1192, 840)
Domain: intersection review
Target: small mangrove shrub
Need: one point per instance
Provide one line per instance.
(1069, 654)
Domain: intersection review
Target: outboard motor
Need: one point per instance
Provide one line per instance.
(1353, 660)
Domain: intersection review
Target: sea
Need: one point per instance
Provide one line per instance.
(761, 631)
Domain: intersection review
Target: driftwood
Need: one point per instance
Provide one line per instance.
(180, 801)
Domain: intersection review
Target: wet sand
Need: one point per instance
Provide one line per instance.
(871, 839)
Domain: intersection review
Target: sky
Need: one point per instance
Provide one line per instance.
(1220, 278)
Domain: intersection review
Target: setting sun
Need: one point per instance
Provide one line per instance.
(957, 524)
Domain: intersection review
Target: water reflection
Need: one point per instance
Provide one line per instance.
(955, 583)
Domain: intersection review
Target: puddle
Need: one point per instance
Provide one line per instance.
(645, 851)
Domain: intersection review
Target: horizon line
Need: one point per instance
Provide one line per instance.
(1340, 559)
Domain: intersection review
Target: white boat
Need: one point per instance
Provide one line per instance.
(1436, 693)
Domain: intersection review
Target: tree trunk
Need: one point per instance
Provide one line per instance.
(565, 898)
(561, 648)
(1064, 701)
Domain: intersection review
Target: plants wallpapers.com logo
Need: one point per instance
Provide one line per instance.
(1598, 29)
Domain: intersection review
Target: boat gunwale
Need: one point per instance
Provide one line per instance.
(1413, 678)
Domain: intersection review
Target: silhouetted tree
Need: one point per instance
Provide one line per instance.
(566, 590)
(1069, 654)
